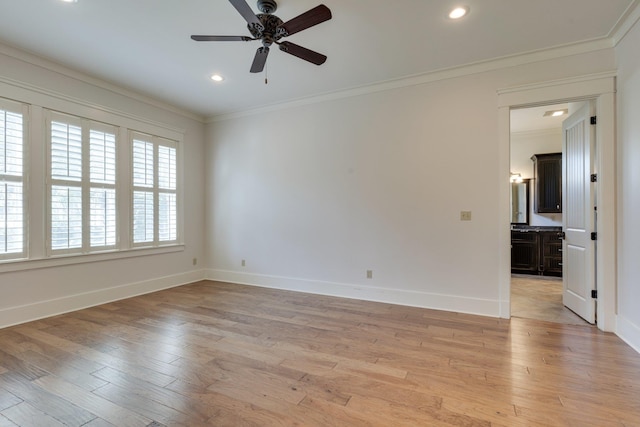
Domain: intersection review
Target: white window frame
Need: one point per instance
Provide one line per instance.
(84, 183)
(152, 186)
(36, 105)
(24, 111)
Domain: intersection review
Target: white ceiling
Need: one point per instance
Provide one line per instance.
(533, 119)
(144, 45)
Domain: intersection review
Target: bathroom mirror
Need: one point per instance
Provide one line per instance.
(520, 202)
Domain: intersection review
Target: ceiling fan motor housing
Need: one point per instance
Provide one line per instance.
(271, 32)
(267, 6)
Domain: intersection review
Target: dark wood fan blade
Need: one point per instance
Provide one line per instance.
(259, 60)
(222, 38)
(247, 13)
(303, 53)
(308, 19)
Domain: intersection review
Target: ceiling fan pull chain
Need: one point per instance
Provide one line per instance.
(266, 74)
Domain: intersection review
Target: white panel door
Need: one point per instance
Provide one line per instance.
(578, 218)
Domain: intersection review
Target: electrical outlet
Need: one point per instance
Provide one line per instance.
(195, 261)
(369, 274)
(243, 263)
(465, 215)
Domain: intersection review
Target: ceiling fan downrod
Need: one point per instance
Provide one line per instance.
(267, 6)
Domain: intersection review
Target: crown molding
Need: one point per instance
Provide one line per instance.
(7, 84)
(433, 76)
(57, 68)
(629, 18)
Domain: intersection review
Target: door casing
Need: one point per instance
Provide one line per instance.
(601, 89)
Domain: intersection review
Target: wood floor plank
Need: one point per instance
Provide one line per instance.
(132, 363)
(14, 364)
(98, 422)
(103, 408)
(165, 396)
(218, 354)
(24, 414)
(46, 401)
(8, 399)
(144, 406)
(5, 422)
(64, 354)
(66, 372)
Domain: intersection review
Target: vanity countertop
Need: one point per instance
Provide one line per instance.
(533, 228)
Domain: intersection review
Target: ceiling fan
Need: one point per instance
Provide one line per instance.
(270, 29)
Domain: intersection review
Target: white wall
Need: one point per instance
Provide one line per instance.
(628, 187)
(37, 292)
(313, 196)
(523, 146)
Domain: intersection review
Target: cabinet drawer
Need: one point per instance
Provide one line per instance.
(553, 266)
(553, 250)
(524, 236)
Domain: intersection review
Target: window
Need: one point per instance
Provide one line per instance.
(83, 211)
(12, 222)
(92, 183)
(154, 200)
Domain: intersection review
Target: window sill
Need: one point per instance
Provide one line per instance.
(61, 260)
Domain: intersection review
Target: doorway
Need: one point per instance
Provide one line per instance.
(540, 297)
(536, 146)
(601, 88)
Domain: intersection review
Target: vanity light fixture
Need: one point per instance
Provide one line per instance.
(516, 177)
(459, 12)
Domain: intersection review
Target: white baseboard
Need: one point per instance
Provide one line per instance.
(29, 312)
(483, 307)
(628, 332)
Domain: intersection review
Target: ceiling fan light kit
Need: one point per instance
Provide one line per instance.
(269, 29)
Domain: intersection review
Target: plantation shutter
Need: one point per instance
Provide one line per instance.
(66, 189)
(12, 228)
(102, 194)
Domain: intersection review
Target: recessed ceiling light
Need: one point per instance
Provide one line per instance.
(70, 1)
(556, 113)
(459, 12)
(217, 78)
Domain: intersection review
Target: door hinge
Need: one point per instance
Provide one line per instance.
(594, 177)
(594, 236)
(594, 120)
(594, 293)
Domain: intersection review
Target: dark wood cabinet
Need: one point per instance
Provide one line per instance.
(551, 252)
(536, 251)
(547, 175)
(524, 252)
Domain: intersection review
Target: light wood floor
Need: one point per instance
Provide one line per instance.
(540, 297)
(227, 355)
